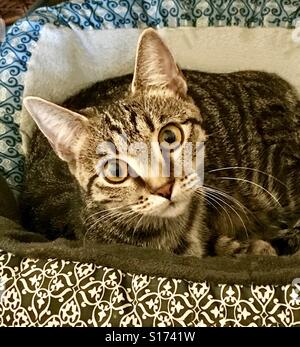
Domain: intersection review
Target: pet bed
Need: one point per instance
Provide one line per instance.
(59, 50)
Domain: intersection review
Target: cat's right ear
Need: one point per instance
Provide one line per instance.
(155, 67)
(63, 128)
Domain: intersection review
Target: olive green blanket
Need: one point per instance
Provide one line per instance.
(64, 283)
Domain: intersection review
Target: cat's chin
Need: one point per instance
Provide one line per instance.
(171, 210)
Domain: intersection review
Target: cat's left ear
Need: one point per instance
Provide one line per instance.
(63, 128)
(155, 66)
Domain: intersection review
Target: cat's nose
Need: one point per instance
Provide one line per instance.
(165, 190)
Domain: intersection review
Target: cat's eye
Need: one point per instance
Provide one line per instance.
(115, 171)
(170, 137)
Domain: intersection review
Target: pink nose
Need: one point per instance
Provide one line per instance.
(165, 190)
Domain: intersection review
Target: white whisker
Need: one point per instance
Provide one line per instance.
(232, 199)
(234, 210)
(210, 196)
(107, 210)
(135, 228)
(255, 184)
(250, 169)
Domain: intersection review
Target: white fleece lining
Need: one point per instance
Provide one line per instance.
(66, 60)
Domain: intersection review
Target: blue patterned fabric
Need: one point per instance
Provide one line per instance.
(15, 51)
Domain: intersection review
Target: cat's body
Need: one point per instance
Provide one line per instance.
(252, 154)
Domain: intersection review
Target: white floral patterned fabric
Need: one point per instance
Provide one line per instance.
(67, 293)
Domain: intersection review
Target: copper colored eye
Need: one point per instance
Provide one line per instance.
(170, 137)
(115, 171)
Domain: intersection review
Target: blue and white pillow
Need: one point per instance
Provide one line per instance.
(26, 41)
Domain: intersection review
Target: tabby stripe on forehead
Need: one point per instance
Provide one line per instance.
(192, 121)
(149, 123)
(90, 184)
(113, 126)
(133, 117)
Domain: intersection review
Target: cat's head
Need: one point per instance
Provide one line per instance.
(139, 151)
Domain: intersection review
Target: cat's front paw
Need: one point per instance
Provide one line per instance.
(260, 247)
(226, 246)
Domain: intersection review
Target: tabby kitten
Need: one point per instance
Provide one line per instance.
(76, 187)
